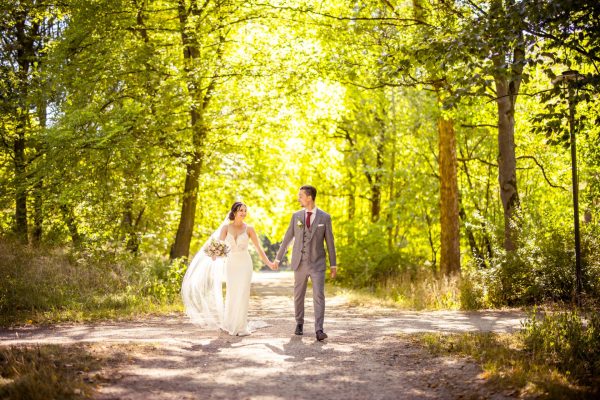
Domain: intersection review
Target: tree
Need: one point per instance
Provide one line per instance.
(447, 160)
(25, 28)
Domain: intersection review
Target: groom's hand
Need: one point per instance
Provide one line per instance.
(275, 265)
(333, 273)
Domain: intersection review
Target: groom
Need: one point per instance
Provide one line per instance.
(310, 228)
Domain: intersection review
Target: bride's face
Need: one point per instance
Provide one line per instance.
(241, 213)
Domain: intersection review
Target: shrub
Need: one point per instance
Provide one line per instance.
(541, 269)
(567, 341)
(57, 283)
(162, 279)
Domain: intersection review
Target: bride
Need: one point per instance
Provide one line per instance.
(201, 289)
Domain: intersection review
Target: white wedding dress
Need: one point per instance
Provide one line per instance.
(202, 291)
(238, 275)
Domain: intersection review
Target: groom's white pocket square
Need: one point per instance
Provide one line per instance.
(318, 226)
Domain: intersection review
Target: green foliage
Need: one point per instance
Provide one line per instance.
(54, 284)
(396, 275)
(369, 262)
(567, 340)
(163, 280)
(541, 269)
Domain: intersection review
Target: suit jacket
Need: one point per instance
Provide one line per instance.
(320, 232)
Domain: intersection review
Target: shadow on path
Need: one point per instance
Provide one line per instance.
(169, 358)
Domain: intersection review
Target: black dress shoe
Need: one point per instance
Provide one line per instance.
(321, 335)
(298, 329)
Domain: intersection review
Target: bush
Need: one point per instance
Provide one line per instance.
(163, 279)
(42, 278)
(370, 263)
(541, 269)
(57, 283)
(395, 274)
(567, 341)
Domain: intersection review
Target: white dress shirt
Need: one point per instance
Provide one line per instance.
(312, 216)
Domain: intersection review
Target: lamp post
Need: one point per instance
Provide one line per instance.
(570, 78)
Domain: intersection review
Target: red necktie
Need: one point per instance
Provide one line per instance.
(308, 219)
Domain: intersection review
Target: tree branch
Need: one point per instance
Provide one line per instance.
(479, 126)
(478, 159)
(543, 171)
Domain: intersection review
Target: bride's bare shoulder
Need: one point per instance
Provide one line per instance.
(224, 228)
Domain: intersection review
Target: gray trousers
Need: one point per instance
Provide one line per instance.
(318, 286)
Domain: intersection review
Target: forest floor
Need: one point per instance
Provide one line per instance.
(368, 354)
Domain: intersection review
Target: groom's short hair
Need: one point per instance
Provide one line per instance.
(310, 191)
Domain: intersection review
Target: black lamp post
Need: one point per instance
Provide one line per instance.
(570, 78)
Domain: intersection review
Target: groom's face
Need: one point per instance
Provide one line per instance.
(303, 198)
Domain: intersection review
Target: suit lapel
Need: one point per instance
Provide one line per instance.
(299, 216)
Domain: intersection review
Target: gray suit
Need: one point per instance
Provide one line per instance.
(308, 259)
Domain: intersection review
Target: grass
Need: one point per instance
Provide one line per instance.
(507, 363)
(48, 372)
(424, 292)
(48, 285)
(90, 312)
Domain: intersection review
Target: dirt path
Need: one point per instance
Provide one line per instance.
(364, 358)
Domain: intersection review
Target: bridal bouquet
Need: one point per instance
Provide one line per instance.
(217, 248)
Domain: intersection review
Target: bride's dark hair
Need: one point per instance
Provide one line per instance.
(235, 208)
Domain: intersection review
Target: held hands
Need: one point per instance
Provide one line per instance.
(275, 265)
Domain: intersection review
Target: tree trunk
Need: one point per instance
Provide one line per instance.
(200, 100)
(447, 162)
(181, 247)
(375, 179)
(71, 222)
(509, 69)
(429, 221)
(351, 197)
(390, 214)
(477, 254)
(507, 163)
(20, 180)
(507, 90)
(38, 212)
(449, 217)
(130, 226)
(25, 56)
(38, 187)
(351, 174)
(376, 186)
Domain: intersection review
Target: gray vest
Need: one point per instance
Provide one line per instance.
(305, 258)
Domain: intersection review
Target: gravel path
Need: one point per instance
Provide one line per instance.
(364, 357)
